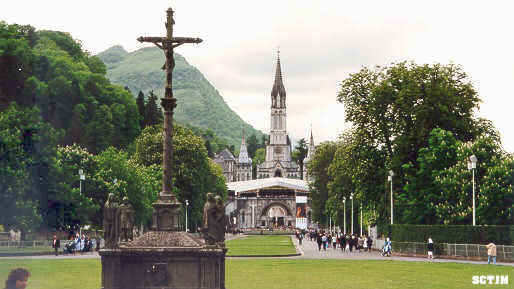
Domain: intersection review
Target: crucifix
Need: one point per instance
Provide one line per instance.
(167, 44)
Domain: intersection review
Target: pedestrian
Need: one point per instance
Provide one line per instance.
(324, 240)
(56, 244)
(388, 247)
(491, 253)
(369, 241)
(365, 243)
(334, 241)
(319, 240)
(360, 243)
(430, 249)
(17, 279)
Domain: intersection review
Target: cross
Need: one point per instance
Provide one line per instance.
(167, 44)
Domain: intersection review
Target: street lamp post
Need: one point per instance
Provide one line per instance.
(187, 204)
(361, 219)
(82, 178)
(344, 213)
(472, 165)
(390, 178)
(351, 198)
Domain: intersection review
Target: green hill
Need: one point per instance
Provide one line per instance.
(198, 102)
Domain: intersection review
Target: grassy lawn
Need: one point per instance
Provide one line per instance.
(280, 273)
(261, 245)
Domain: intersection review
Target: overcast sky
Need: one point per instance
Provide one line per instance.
(321, 42)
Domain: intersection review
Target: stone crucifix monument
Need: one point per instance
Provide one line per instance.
(167, 257)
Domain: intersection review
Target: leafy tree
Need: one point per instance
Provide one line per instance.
(299, 154)
(421, 194)
(318, 167)
(394, 109)
(493, 177)
(193, 173)
(26, 153)
(68, 208)
(208, 146)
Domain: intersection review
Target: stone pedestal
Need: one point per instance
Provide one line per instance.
(164, 260)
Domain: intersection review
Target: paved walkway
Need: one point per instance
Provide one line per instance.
(310, 250)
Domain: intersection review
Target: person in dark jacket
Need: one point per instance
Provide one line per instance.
(430, 249)
(370, 242)
(319, 240)
(56, 244)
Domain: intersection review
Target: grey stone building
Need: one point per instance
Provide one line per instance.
(278, 161)
(235, 170)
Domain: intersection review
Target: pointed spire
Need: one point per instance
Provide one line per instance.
(310, 149)
(243, 152)
(311, 142)
(243, 141)
(278, 92)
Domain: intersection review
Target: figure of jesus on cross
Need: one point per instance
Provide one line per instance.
(167, 44)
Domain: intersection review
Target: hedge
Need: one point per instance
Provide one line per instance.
(456, 234)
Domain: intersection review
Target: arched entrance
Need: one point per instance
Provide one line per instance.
(278, 174)
(277, 216)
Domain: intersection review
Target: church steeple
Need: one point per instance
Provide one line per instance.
(243, 152)
(278, 92)
(310, 148)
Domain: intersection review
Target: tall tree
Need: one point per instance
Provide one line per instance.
(252, 145)
(318, 167)
(395, 108)
(153, 114)
(27, 150)
(299, 154)
(140, 101)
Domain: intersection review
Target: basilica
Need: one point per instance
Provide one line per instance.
(278, 198)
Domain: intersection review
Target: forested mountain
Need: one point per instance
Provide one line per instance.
(198, 102)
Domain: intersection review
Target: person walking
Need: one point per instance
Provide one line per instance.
(17, 279)
(369, 241)
(491, 253)
(430, 249)
(56, 244)
(324, 240)
(319, 240)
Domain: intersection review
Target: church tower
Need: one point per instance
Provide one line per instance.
(310, 154)
(278, 161)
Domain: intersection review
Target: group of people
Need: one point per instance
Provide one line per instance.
(80, 243)
(345, 242)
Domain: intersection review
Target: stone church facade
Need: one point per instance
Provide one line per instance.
(235, 170)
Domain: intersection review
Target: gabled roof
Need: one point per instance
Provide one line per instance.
(225, 155)
(254, 185)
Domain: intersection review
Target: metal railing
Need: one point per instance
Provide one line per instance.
(473, 251)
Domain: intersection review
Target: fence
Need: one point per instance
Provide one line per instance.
(465, 251)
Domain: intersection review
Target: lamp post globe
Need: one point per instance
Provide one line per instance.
(351, 198)
(344, 215)
(472, 165)
(390, 179)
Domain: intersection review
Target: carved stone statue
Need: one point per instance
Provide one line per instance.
(110, 222)
(208, 230)
(221, 222)
(126, 218)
